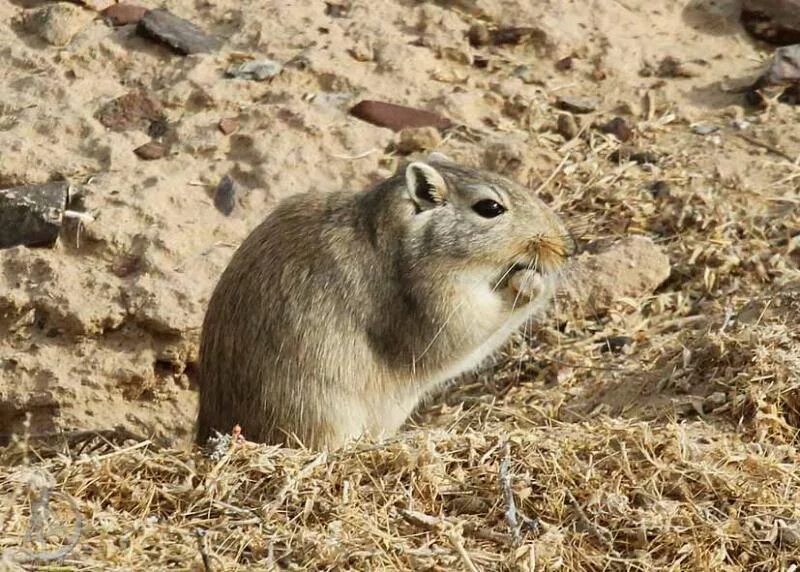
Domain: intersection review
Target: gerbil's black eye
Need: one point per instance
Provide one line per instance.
(488, 208)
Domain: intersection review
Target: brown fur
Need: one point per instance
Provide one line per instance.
(341, 311)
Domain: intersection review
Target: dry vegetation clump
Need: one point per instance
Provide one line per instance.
(606, 494)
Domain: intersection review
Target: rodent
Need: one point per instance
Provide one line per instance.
(342, 310)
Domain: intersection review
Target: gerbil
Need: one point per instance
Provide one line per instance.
(341, 311)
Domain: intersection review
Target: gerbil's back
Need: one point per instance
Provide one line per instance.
(294, 287)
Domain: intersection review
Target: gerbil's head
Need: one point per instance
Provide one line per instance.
(471, 219)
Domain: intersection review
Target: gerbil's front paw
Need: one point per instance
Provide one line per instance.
(527, 285)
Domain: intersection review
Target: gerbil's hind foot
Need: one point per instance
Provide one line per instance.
(527, 285)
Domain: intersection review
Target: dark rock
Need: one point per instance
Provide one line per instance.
(577, 104)
(659, 189)
(228, 125)
(615, 344)
(151, 151)
(225, 195)
(335, 10)
(774, 21)
(134, 110)
(626, 153)
(671, 67)
(179, 34)
(564, 64)
(31, 215)
(397, 117)
(479, 35)
(619, 128)
(123, 14)
(567, 126)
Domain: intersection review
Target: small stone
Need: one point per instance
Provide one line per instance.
(577, 104)
(336, 10)
(257, 70)
(151, 151)
(627, 153)
(225, 195)
(134, 110)
(478, 36)
(619, 128)
(774, 21)
(671, 67)
(31, 215)
(57, 23)
(564, 64)
(614, 344)
(526, 74)
(415, 139)
(704, 128)
(567, 126)
(228, 125)
(179, 34)
(397, 117)
(659, 189)
(123, 14)
(714, 401)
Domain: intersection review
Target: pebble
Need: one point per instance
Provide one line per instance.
(575, 104)
(56, 23)
(257, 70)
(774, 21)
(225, 195)
(564, 64)
(179, 34)
(151, 151)
(704, 128)
(527, 74)
(627, 153)
(123, 14)
(134, 110)
(228, 125)
(397, 117)
(567, 126)
(415, 139)
(614, 344)
(479, 35)
(619, 128)
(31, 215)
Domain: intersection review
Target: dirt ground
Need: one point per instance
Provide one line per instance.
(700, 391)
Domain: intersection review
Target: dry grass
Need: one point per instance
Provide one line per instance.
(678, 452)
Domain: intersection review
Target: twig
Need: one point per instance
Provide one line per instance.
(455, 539)
(512, 516)
(767, 146)
(601, 535)
(202, 546)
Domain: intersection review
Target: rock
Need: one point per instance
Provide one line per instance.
(659, 189)
(564, 64)
(614, 344)
(619, 128)
(629, 153)
(225, 195)
(415, 139)
(577, 104)
(257, 70)
(567, 126)
(57, 23)
(704, 128)
(671, 67)
(784, 67)
(123, 14)
(179, 34)
(151, 151)
(397, 117)
(632, 268)
(31, 215)
(774, 21)
(228, 125)
(134, 110)
(479, 35)
(527, 74)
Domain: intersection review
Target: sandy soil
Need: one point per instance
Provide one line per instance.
(102, 330)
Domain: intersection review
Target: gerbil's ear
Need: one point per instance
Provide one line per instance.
(426, 187)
